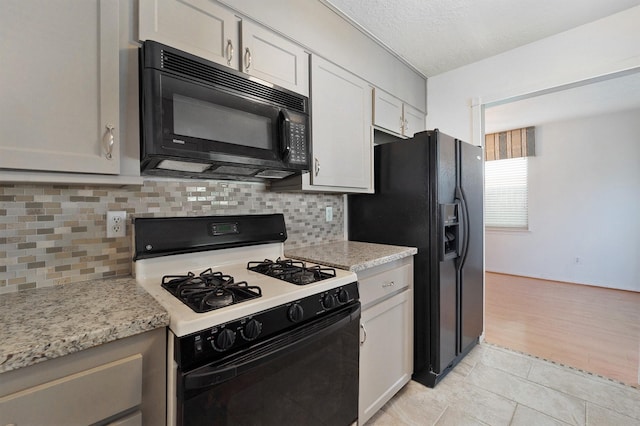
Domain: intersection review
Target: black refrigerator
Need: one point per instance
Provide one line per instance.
(428, 194)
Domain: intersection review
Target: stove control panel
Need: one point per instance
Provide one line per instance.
(219, 341)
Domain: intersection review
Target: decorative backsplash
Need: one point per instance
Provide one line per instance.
(55, 234)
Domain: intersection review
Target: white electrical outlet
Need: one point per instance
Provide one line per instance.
(116, 224)
(328, 213)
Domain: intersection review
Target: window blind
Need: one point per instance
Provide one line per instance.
(506, 193)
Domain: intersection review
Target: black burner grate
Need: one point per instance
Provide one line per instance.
(209, 290)
(292, 271)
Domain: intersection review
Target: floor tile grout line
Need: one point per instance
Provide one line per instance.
(586, 413)
(514, 413)
(440, 416)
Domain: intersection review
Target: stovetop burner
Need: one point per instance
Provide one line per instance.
(209, 290)
(292, 271)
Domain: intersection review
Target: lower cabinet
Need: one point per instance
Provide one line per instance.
(119, 383)
(386, 334)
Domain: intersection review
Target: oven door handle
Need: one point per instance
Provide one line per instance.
(212, 375)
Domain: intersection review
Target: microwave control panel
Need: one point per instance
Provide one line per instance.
(298, 143)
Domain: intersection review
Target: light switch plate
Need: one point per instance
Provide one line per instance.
(328, 213)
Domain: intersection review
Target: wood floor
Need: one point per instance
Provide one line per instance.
(590, 328)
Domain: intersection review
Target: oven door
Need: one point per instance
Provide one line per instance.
(307, 376)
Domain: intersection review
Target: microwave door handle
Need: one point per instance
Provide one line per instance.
(285, 126)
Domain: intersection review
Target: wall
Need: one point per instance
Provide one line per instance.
(605, 46)
(584, 200)
(54, 234)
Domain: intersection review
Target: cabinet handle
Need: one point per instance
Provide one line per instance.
(229, 51)
(406, 126)
(364, 334)
(389, 284)
(247, 59)
(317, 166)
(108, 140)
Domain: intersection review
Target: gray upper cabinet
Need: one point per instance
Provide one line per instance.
(341, 127)
(200, 27)
(414, 120)
(59, 109)
(392, 115)
(273, 58)
(341, 133)
(211, 31)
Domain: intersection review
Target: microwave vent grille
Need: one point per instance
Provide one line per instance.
(218, 77)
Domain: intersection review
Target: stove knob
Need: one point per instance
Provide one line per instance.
(295, 313)
(252, 329)
(329, 301)
(343, 296)
(224, 340)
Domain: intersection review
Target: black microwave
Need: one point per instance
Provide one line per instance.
(203, 120)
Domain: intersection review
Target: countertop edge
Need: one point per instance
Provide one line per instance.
(355, 263)
(381, 261)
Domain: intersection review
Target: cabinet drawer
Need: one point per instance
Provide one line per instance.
(81, 398)
(377, 287)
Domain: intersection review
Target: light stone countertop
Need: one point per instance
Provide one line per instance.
(353, 256)
(50, 322)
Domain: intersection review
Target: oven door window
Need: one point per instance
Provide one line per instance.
(313, 382)
(217, 121)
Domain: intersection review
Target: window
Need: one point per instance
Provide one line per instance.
(506, 197)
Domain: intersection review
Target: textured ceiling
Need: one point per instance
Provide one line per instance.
(436, 36)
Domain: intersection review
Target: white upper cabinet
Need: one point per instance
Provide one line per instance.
(200, 27)
(273, 58)
(393, 115)
(59, 109)
(414, 120)
(211, 31)
(341, 128)
(341, 133)
(387, 112)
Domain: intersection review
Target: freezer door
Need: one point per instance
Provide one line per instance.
(471, 275)
(446, 345)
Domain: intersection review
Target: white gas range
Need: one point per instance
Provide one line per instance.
(231, 327)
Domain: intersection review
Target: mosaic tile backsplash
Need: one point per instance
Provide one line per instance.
(54, 234)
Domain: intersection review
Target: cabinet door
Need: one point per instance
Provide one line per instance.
(85, 397)
(387, 112)
(200, 27)
(59, 86)
(273, 58)
(414, 120)
(386, 352)
(340, 126)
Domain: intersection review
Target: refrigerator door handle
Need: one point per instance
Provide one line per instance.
(464, 219)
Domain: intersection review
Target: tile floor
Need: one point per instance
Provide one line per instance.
(496, 386)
